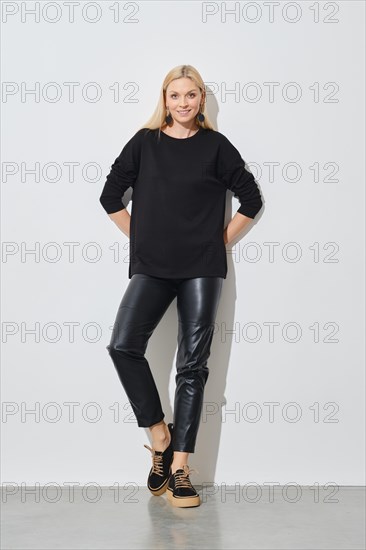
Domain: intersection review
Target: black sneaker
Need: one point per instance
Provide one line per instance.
(180, 491)
(160, 471)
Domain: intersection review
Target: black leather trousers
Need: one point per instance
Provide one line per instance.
(142, 307)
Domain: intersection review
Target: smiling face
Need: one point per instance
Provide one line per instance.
(183, 100)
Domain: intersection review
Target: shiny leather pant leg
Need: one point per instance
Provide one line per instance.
(197, 304)
(143, 305)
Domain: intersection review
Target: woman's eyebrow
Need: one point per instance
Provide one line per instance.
(174, 92)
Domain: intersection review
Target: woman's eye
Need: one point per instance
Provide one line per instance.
(173, 96)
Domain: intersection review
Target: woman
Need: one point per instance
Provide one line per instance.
(179, 168)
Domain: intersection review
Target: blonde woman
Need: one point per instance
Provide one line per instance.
(179, 168)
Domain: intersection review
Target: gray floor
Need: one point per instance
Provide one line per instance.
(230, 519)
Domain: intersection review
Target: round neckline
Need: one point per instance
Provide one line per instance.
(181, 139)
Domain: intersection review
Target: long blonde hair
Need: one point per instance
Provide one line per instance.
(157, 120)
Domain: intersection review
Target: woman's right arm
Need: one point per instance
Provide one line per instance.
(122, 175)
(122, 220)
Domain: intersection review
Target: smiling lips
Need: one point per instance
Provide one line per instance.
(184, 112)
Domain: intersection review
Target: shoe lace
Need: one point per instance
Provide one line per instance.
(182, 478)
(157, 459)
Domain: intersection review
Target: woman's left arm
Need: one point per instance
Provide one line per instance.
(235, 226)
(235, 176)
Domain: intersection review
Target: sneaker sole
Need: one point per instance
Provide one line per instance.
(183, 502)
(161, 490)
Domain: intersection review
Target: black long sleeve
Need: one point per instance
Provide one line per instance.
(123, 174)
(238, 179)
(178, 201)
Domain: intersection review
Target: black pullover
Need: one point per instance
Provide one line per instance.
(178, 201)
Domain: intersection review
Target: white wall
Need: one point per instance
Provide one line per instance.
(311, 288)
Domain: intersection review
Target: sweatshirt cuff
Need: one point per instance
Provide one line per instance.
(248, 211)
(111, 208)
